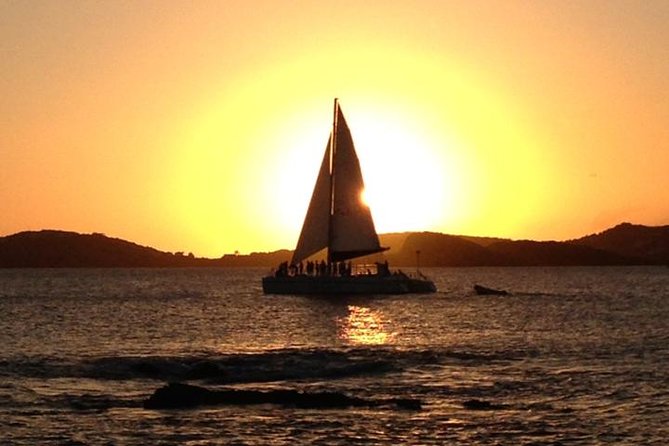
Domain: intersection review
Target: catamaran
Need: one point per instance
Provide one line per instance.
(338, 220)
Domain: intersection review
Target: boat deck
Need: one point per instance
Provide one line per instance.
(356, 284)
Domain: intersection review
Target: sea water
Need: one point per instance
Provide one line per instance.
(574, 356)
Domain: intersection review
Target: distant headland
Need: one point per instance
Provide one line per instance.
(624, 244)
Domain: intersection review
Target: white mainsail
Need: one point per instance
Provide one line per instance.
(353, 233)
(337, 218)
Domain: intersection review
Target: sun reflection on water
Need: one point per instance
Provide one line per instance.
(364, 326)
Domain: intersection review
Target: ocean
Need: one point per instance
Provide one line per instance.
(574, 356)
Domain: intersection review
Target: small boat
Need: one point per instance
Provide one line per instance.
(338, 220)
(482, 291)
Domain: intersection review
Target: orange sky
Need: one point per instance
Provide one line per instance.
(199, 126)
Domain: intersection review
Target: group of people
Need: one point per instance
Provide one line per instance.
(324, 269)
(314, 268)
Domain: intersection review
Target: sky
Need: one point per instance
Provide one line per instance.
(200, 126)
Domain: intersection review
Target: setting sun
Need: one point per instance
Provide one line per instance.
(404, 174)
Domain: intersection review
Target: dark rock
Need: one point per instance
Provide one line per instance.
(178, 396)
(184, 396)
(482, 291)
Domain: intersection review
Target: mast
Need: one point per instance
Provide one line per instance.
(333, 148)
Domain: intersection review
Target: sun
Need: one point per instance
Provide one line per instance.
(404, 193)
(406, 177)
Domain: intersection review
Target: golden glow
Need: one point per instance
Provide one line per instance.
(202, 129)
(363, 198)
(363, 326)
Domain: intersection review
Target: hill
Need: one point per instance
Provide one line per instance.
(449, 250)
(643, 244)
(434, 249)
(625, 244)
(49, 248)
(63, 249)
(531, 253)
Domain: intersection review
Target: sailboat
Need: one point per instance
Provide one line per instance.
(338, 220)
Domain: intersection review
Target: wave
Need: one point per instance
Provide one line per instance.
(275, 365)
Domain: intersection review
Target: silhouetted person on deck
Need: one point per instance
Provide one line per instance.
(382, 268)
(282, 270)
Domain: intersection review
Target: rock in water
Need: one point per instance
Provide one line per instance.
(179, 396)
(482, 291)
(185, 396)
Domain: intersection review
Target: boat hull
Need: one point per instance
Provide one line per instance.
(339, 285)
